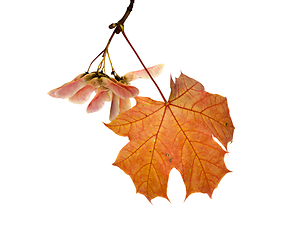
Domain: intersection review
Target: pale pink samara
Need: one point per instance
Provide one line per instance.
(80, 89)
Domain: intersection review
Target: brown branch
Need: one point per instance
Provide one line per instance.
(123, 19)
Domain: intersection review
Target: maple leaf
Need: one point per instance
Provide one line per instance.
(178, 133)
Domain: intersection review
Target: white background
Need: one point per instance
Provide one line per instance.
(56, 175)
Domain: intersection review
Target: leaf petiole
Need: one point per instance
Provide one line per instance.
(164, 99)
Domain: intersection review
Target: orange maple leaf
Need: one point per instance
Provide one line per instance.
(177, 134)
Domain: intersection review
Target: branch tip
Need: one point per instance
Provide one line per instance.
(120, 24)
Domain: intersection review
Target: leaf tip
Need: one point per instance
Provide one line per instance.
(107, 125)
(114, 163)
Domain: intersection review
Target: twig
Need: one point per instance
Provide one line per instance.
(123, 19)
(118, 28)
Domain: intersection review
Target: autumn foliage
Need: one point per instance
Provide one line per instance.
(175, 134)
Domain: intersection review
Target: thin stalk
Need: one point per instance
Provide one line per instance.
(118, 28)
(110, 61)
(93, 61)
(144, 67)
(104, 51)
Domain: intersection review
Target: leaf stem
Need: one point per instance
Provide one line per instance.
(144, 66)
